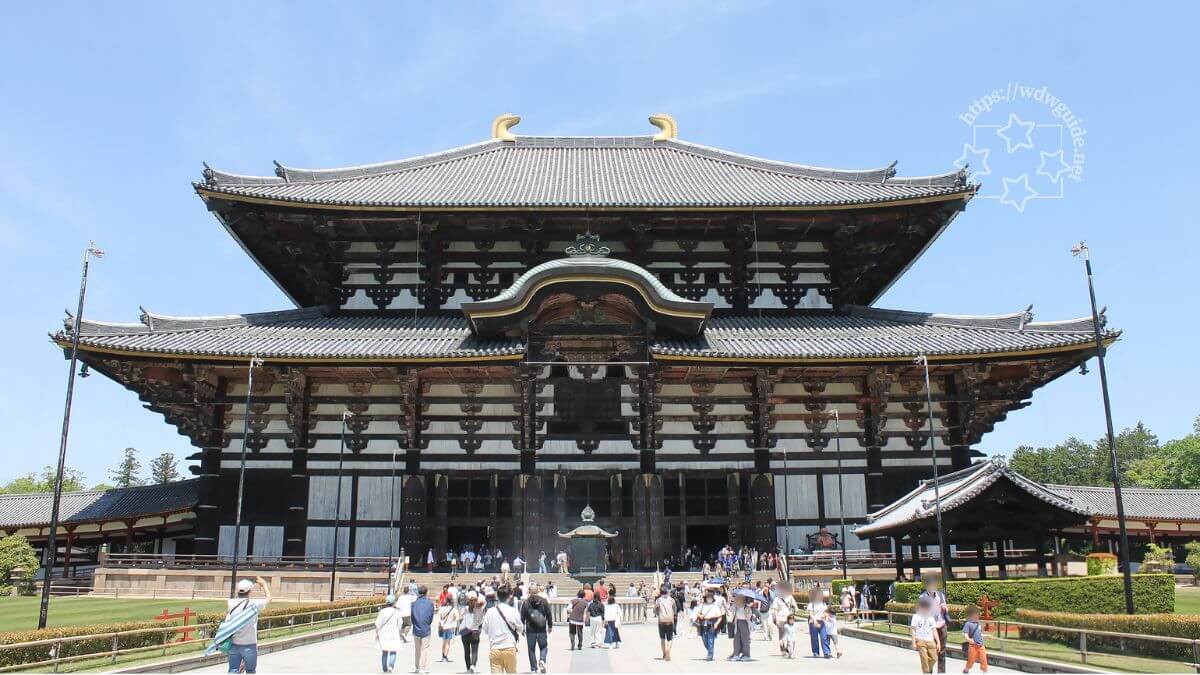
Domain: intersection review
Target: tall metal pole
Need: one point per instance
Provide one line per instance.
(1082, 249)
(391, 520)
(837, 441)
(337, 509)
(943, 552)
(50, 554)
(255, 362)
(787, 512)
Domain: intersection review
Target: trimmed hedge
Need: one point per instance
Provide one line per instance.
(12, 657)
(1152, 593)
(957, 612)
(1161, 625)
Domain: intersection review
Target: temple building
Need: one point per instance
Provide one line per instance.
(529, 325)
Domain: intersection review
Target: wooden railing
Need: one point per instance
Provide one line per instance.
(862, 559)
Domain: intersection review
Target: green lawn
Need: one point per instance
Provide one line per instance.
(1187, 599)
(21, 613)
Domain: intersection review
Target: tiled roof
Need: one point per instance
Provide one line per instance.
(584, 172)
(869, 332)
(1138, 502)
(863, 332)
(957, 489)
(33, 510)
(301, 333)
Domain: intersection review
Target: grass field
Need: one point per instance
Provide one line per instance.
(21, 613)
(1187, 599)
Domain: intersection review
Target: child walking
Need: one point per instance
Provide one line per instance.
(973, 631)
(924, 634)
(831, 627)
(789, 637)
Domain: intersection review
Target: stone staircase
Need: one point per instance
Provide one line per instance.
(568, 585)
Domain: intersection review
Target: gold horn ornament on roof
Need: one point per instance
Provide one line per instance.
(666, 125)
(502, 124)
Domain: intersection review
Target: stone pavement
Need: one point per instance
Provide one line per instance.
(638, 654)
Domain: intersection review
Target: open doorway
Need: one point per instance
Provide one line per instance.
(463, 537)
(708, 539)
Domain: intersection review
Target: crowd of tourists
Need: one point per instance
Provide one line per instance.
(508, 610)
(483, 560)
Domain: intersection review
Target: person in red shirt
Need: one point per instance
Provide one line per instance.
(602, 591)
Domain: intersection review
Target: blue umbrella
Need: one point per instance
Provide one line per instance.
(751, 594)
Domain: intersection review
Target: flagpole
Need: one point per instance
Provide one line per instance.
(50, 553)
(337, 509)
(255, 362)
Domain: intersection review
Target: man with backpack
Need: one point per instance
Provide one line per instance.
(502, 625)
(538, 620)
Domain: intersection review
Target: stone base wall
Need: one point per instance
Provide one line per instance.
(292, 585)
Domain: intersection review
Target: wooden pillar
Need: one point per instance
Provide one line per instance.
(980, 560)
(898, 547)
(1060, 565)
(129, 536)
(67, 545)
(208, 489)
(528, 516)
(437, 533)
(1039, 553)
(298, 397)
(648, 518)
(916, 560)
(1001, 559)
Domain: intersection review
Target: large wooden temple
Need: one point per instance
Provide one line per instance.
(528, 325)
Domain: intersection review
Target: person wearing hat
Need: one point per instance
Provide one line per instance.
(243, 652)
(387, 634)
(469, 629)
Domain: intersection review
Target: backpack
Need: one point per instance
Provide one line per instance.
(537, 618)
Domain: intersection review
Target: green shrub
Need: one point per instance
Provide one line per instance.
(1100, 564)
(1161, 625)
(1193, 559)
(104, 644)
(1085, 595)
(957, 612)
(17, 554)
(1158, 560)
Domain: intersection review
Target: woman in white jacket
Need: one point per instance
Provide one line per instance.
(612, 623)
(387, 634)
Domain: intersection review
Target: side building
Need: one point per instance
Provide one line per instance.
(529, 325)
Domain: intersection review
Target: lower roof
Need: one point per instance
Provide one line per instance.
(93, 506)
(312, 335)
(1147, 503)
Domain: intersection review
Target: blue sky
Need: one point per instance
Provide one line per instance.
(109, 110)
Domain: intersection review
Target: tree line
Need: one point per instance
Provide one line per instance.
(164, 468)
(1141, 458)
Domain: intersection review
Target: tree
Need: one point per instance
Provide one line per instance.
(16, 553)
(164, 469)
(1193, 560)
(43, 482)
(1075, 462)
(1175, 465)
(126, 473)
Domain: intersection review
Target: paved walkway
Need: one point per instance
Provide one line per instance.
(639, 654)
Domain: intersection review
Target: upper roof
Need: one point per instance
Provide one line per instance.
(956, 490)
(33, 510)
(1149, 503)
(304, 334)
(593, 172)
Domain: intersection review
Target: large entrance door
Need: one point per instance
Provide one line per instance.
(707, 538)
(461, 537)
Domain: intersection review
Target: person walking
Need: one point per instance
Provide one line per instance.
(831, 629)
(741, 629)
(783, 606)
(422, 629)
(596, 621)
(612, 623)
(941, 617)
(664, 609)
(446, 624)
(539, 622)
(404, 606)
(818, 637)
(469, 629)
(973, 632)
(788, 631)
(243, 649)
(542, 563)
(709, 616)
(576, 618)
(923, 629)
(502, 626)
(387, 634)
